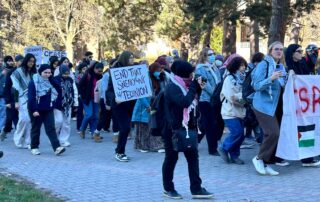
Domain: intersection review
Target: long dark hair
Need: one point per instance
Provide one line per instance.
(63, 59)
(24, 64)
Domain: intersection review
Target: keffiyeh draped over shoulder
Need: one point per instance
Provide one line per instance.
(43, 86)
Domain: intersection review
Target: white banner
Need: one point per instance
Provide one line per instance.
(37, 52)
(131, 83)
(48, 53)
(300, 126)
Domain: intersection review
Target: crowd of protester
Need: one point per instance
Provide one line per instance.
(209, 95)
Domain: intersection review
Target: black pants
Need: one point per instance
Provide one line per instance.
(104, 117)
(211, 126)
(47, 118)
(115, 124)
(123, 113)
(11, 117)
(169, 164)
(79, 114)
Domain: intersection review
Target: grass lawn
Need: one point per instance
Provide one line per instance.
(18, 191)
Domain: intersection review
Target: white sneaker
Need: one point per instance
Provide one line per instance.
(143, 151)
(116, 133)
(259, 166)
(314, 163)
(282, 163)
(65, 144)
(35, 152)
(161, 151)
(59, 150)
(270, 171)
(74, 118)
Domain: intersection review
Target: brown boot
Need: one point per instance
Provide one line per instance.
(96, 138)
(82, 134)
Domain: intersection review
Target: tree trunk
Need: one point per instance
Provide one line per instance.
(207, 37)
(279, 19)
(229, 38)
(254, 37)
(69, 47)
(184, 51)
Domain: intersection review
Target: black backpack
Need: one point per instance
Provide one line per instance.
(247, 88)
(215, 100)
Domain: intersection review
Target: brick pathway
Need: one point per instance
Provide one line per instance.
(89, 172)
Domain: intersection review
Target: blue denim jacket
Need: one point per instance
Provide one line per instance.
(203, 71)
(140, 112)
(267, 92)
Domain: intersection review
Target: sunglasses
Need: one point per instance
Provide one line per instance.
(299, 51)
(278, 49)
(210, 54)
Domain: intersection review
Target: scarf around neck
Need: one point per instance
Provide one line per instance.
(186, 111)
(67, 97)
(43, 87)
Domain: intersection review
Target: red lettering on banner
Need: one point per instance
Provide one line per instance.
(315, 100)
(303, 96)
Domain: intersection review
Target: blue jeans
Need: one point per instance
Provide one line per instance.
(91, 116)
(233, 141)
(2, 112)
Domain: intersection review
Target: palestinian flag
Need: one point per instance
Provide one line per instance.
(306, 135)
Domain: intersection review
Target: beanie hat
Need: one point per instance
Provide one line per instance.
(43, 67)
(64, 69)
(18, 58)
(182, 69)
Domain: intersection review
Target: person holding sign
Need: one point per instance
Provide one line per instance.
(121, 110)
(20, 81)
(294, 62)
(267, 82)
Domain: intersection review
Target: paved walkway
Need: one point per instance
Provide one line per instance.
(89, 172)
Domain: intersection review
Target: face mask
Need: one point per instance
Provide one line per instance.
(156, 74)
(211, 59)
(218, 63)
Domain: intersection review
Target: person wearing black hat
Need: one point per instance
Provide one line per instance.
(42, 94)
(179, 96)
(63, 105)
(311, 58)
(20, 81)
(8, 93)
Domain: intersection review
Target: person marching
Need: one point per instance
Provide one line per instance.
(20, 81)
(66, 99)
(42, 94)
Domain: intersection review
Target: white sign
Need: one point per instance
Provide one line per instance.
(131, 83)
(300, 126)
(37, 52)
(48, 53)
